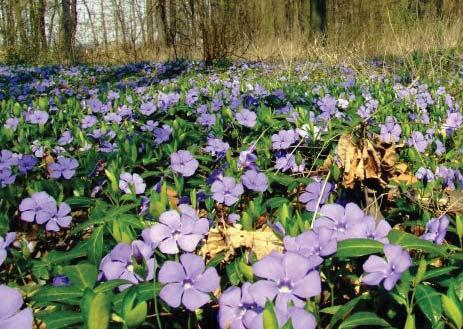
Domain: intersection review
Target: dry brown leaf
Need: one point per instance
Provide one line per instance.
(227, 239)
(172, 196)
(370, 160)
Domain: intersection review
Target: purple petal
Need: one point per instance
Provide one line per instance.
(189, 242)
(23, 320)
(172, 294)
(208, 281)
(309, 286)
(193, 264)
(10, 302)
(171, 272)
(194, 299)
(269, 267)
(169, 246)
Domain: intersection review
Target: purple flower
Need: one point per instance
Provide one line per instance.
(8, 159)
(312, 195)
(6, 177)
(66, 138)
(239, 309)
(10, 315)
(131, 183)
(424, 174)
(288, 162)
(390, 269)
(26, 163)
(312, 245)
(191, 97)
(418, 141)
(226, 191)
(4, 244)
(88, 121)
(390, 130)
(233, 218)
(255, 181)
(246, 118)
(368, 229)
(187, 282)
(206, 119)
(40, 207)
(11, 123)
(328, 106)
(339, 219)
(284, 139)
(37, 117)
(183, 163)
(288, 277)
(61, 219)
(440, 147)
(147, 108)
(300, 318)
(122, 261)
(436, 229)
(162, 134)
(447, 175)
(60, 281)
(247, 159)
(176, 230)
(216, 146)
(453, 122)
(65, 167)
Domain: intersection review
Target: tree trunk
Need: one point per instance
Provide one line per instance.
(67, 46)
(150, 23)
(318, 17)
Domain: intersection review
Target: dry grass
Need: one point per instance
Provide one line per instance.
(394, 37)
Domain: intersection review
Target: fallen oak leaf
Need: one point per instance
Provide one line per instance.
(261, 242)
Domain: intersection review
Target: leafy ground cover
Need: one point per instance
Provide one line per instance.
(249, 195)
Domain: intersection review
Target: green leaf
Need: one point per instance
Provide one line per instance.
(97, 310)
(133, 312)
(95, 245)
(110, 285)
(61, 319)
(346, 309)
(66, 295)
(269, 317)
(369, 319)
(430, 274)
(80, 201)
(429, 302)
(60, 257)
(453, 311)
(410, 241)
(82, 275)
(358, 247)
(330, 309)
(276, 202)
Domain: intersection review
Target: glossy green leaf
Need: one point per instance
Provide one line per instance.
(61, 319)
(57, 294)
(410, 241)
(429, 301)
(95, 245)
(97, 311)
(358, 319)
(453, 311)
(82, 275)
(345, 309)
(358, 247)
